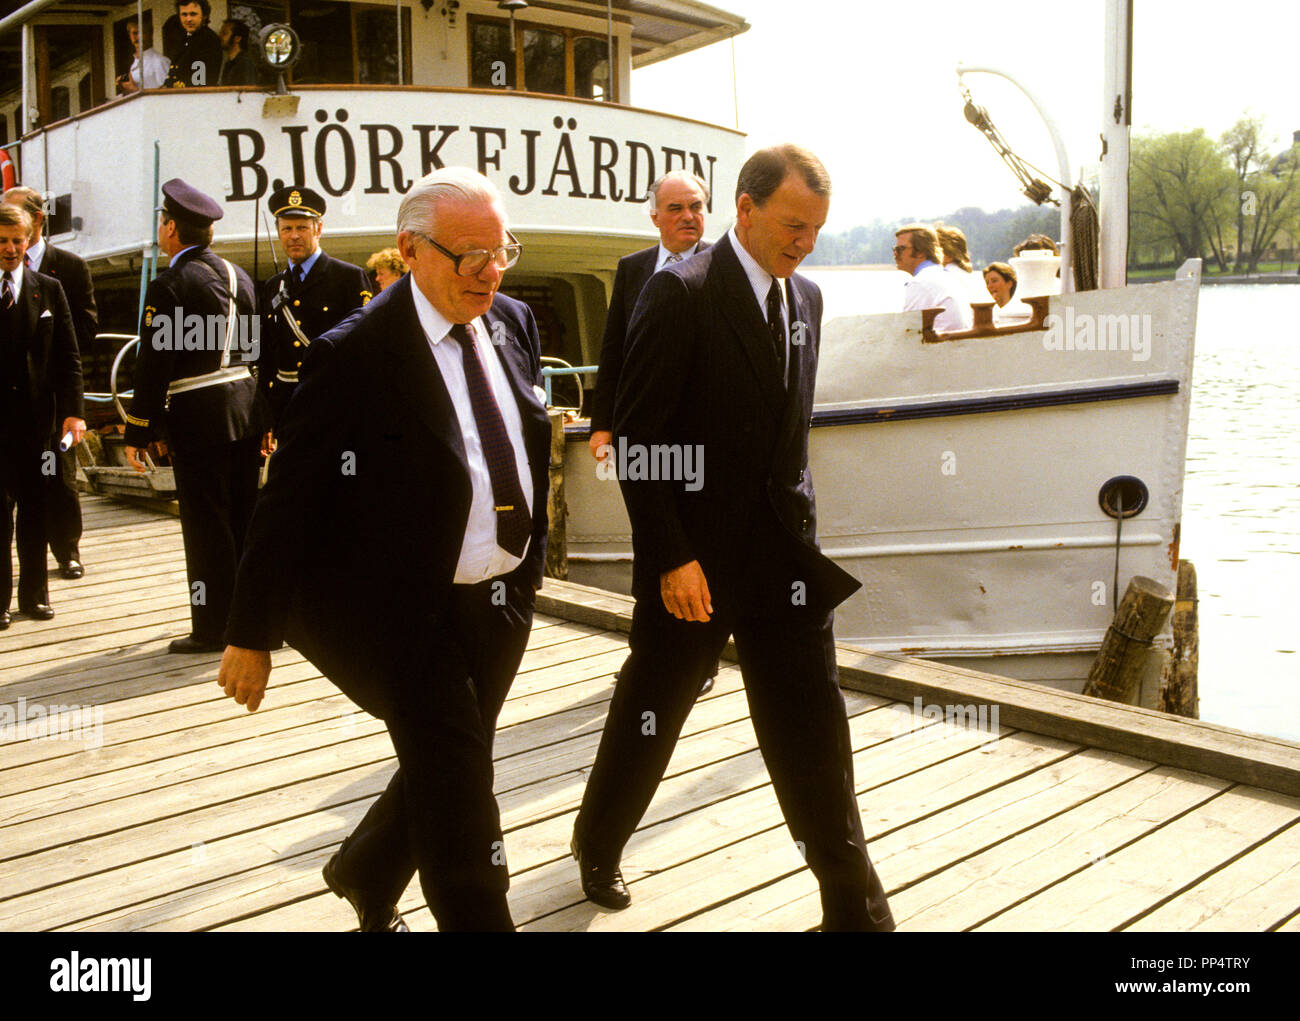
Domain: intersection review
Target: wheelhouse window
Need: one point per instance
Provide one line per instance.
(544, 58)
(344, 43)
(69, 70)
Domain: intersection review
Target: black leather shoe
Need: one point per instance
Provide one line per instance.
(38, 611)
(601, 884)
(706, 687)
(370, 917)
(72, 570)
(4, 620)
(191, 644)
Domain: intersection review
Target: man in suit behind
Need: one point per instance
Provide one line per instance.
(312, 294)
(40, 384)
(677, 203)
(721, 366)
(62, 504)
(206, 397)
(399, 541)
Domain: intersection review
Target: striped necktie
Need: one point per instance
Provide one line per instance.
(514, 525)
(7, 293)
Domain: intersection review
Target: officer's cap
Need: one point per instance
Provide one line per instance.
(185, 202)
(296, 200)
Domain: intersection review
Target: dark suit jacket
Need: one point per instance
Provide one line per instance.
(44, 327)
(197, 284)
(328, 293)
(633, 272)
(353, 546)
(700, 372)
(202, 47)
(73, 274)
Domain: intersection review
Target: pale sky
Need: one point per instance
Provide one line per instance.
(871, 88)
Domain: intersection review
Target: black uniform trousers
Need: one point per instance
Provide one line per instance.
(791, 682)
(216, 487)
(438, 815)
(22, 484)
(63, 507)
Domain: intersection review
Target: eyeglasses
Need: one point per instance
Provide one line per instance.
(470, 264)
(901, 248)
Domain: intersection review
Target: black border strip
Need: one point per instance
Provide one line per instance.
(973, 405)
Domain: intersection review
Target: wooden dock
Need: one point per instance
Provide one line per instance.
(180, 811)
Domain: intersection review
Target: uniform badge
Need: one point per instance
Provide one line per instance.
(295, 199)
(148, 315)
(365, 297)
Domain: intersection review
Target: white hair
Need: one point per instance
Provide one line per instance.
(455, 184)
(677, 175)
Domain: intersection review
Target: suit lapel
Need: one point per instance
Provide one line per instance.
(516, 364)
(800, 358)
(415, 370)
(741, 310)
(315, 275)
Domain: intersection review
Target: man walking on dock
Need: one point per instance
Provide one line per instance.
(398, 544)
(721, 361)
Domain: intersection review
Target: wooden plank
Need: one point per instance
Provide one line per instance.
(1124, 884)
(973, 890)
(1257, 892)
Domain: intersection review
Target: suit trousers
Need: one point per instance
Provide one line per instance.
(22, 483)
(63, 508)
(787, 661)
(216, 487)
(438, 815)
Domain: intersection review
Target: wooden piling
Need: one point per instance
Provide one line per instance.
(1178, 684)
(557, 548)
(1117, 672)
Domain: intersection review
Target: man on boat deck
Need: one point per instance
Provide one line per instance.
(917, 254)
(398, 544)
(195, 51)
(720, 367)
(195, 346)
(311, 295)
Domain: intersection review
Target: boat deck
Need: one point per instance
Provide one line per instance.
(194, 814)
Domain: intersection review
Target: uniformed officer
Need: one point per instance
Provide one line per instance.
(311, 295)
(197, 341)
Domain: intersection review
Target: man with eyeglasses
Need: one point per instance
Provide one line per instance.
(312, 294)
(917, 254)
(398, 544)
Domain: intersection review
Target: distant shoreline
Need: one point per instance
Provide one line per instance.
(874, 266)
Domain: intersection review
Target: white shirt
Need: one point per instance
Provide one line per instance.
(1014, 313)
(480, 556)
(662, 260)
(35, 253)
(156, 67)
(16, 276)
(761, 281)
(931, 287)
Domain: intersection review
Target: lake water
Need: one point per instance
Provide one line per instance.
(1241, 499)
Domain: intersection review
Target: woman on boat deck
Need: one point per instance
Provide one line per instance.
(956, 259)
(1000, 279)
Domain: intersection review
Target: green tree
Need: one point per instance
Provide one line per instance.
(1181, 192)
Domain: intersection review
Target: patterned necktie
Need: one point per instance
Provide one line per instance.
(7, 295)
(672, 257)
(514, 524)
(776, 325)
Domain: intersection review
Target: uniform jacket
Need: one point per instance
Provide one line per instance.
(200, 47)
(632, 273)
(328, 293)
(196, 284)
(700, 372)
(353, 546)
(44, 326)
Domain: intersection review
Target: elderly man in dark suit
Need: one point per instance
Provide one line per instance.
(412, 466)
(720, 368)
(677, 204)
(40, 384)
(62, 504)
(204, 397)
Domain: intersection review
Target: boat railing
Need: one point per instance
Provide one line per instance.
(552, 367)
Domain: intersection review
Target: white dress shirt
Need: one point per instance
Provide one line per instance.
(16, 278)
(35, 253)
(931, 287)
(156, 68)
(480, 556)
(761, 281)
(662, 259)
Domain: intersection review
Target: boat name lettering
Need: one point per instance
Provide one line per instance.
(387, 159)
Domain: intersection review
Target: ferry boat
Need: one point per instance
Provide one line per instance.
(990, 489)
